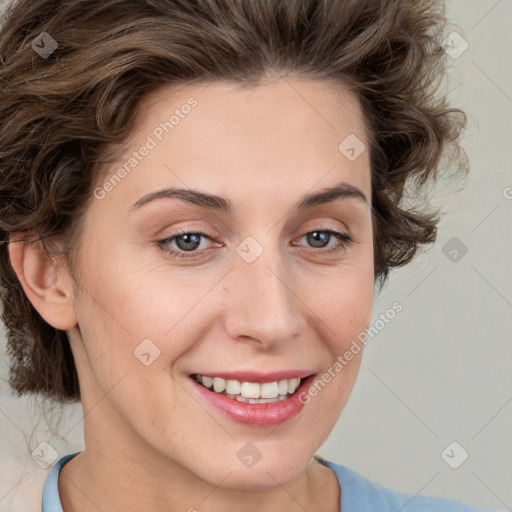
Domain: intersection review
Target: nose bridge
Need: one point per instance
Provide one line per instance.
(263, 305)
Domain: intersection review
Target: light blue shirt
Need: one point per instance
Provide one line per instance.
(358, 494)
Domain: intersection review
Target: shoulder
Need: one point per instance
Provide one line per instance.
(359, 493)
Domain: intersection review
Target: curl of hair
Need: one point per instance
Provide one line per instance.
(62, 114)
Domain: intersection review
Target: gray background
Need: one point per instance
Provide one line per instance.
(440, 370)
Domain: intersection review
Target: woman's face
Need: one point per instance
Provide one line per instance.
(266, 290)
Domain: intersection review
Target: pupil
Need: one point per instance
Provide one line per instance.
(195, 241)
(318, 236)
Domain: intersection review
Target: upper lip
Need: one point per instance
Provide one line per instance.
(258, 377)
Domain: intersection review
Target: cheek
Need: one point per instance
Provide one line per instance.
(341, 302)
(352, 309)
(342, 308)
(133, 315)
(345, 315)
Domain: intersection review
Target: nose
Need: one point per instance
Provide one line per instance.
(261, 305)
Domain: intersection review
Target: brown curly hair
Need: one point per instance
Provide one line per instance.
(63, 114)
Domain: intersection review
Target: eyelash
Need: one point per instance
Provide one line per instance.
(344, 240)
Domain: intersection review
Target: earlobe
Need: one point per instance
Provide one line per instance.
(47, 285)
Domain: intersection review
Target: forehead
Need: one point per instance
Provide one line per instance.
(280, 135)
(265, 107)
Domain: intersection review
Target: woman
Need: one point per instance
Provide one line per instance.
(198, 198)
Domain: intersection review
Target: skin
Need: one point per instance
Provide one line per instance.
(151, 444)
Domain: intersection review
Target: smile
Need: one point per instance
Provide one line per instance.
(251, 392)
(252, 398)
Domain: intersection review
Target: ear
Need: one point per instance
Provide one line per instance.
(46, 282)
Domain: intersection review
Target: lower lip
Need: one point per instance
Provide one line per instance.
(262, 415)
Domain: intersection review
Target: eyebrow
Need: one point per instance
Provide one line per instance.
(342, 190)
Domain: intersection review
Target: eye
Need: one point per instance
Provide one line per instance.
(320, 237)
(190, 241)
(186, 241)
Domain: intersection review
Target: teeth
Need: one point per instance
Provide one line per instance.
(269, 390)
(232, 387)
(283, 387)
(219, 385)
(207, 381)
(265, 401)
(251, 392)
(293, 384)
